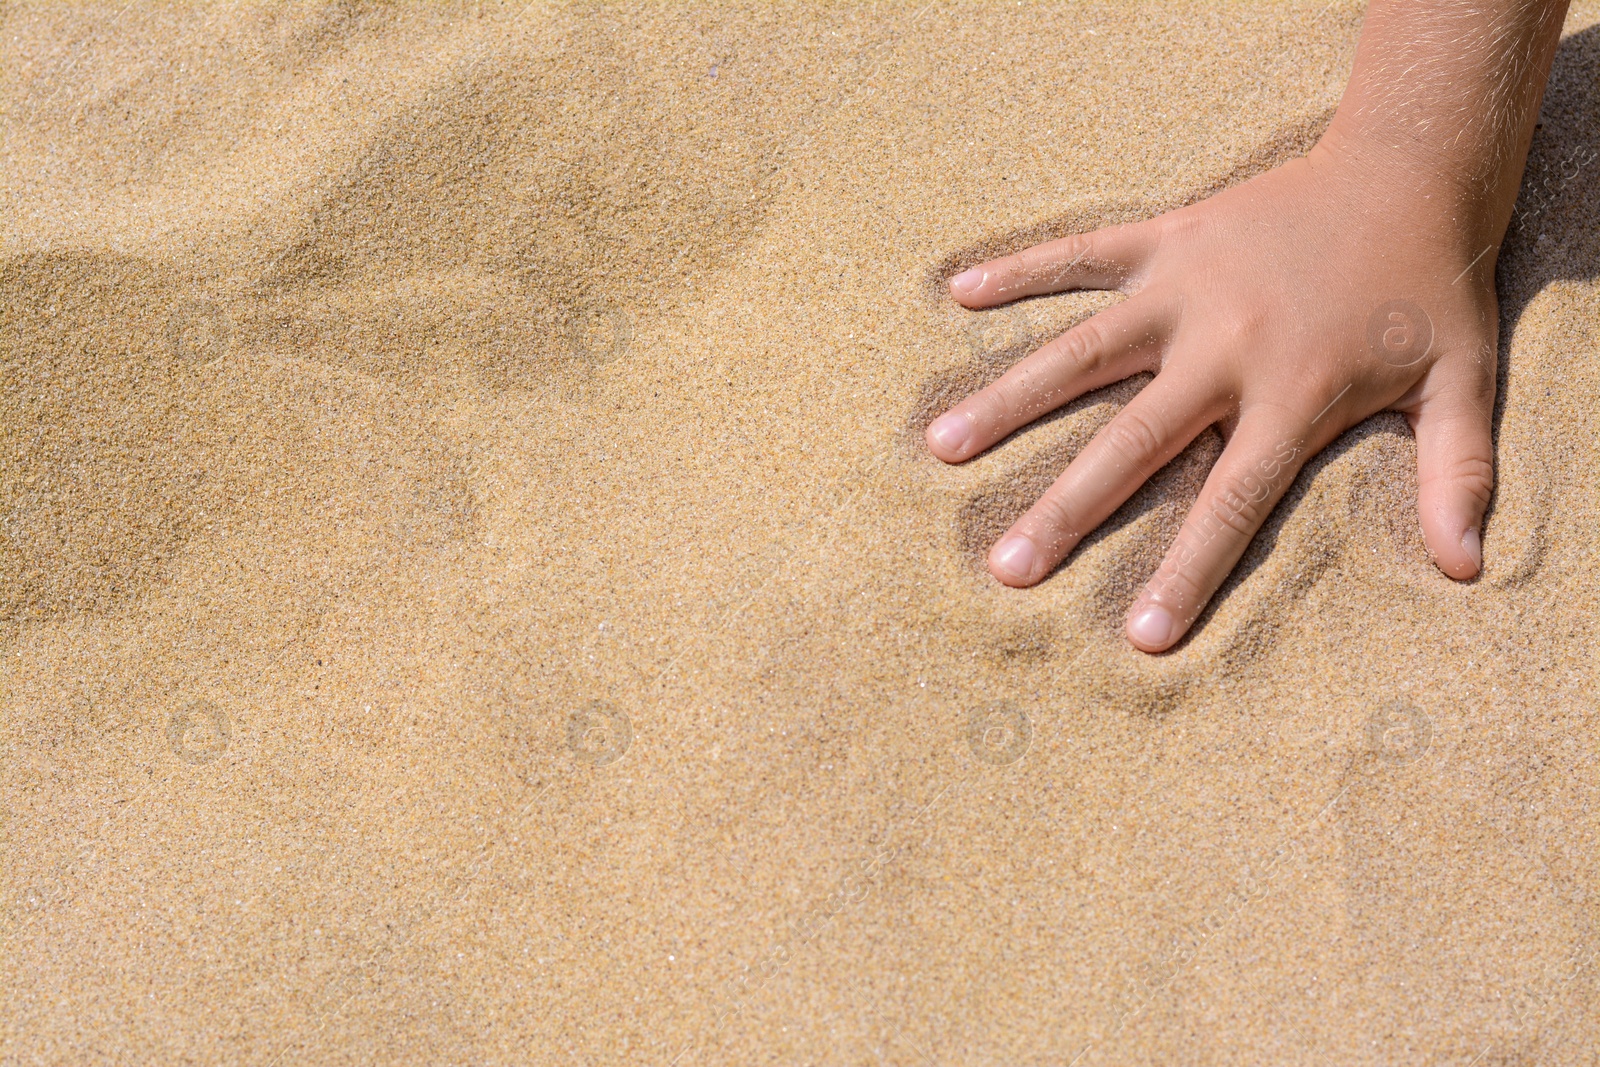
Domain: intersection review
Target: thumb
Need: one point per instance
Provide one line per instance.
(1455, 474)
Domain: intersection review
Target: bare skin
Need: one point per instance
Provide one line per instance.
(1288, 309)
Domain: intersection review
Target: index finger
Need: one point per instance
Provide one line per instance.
(1101, 259)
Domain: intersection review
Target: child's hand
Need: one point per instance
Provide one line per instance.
(1285, 311)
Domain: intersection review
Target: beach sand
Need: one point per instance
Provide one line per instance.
(472, 589)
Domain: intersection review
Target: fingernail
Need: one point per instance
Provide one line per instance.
(967, 280)
(1014, 556)
(950, 432)
(1473, 544)
(1152, 627)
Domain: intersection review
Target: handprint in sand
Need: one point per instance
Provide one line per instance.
(1356, 279)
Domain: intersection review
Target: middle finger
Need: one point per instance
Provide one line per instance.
(1156, 425)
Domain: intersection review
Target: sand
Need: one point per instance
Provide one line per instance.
(471, 589)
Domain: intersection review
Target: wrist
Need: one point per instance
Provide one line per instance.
(1426, 193)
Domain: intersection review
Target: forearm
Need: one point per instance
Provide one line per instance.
(1442, 103)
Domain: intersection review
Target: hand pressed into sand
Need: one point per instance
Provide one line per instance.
(1283, 311)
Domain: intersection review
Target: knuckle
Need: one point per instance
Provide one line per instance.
(1236, 513)
(1236, 509)
(1239, 328)
(1016, 269)
(1132, 437)
(1473, 475)
(1054, 516)
(1178, 227)
(1066, 259)
(999, 405)
(1175, 583)
(1075, 249)
(1083, 347)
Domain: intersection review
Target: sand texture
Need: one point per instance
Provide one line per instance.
(472, 589)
